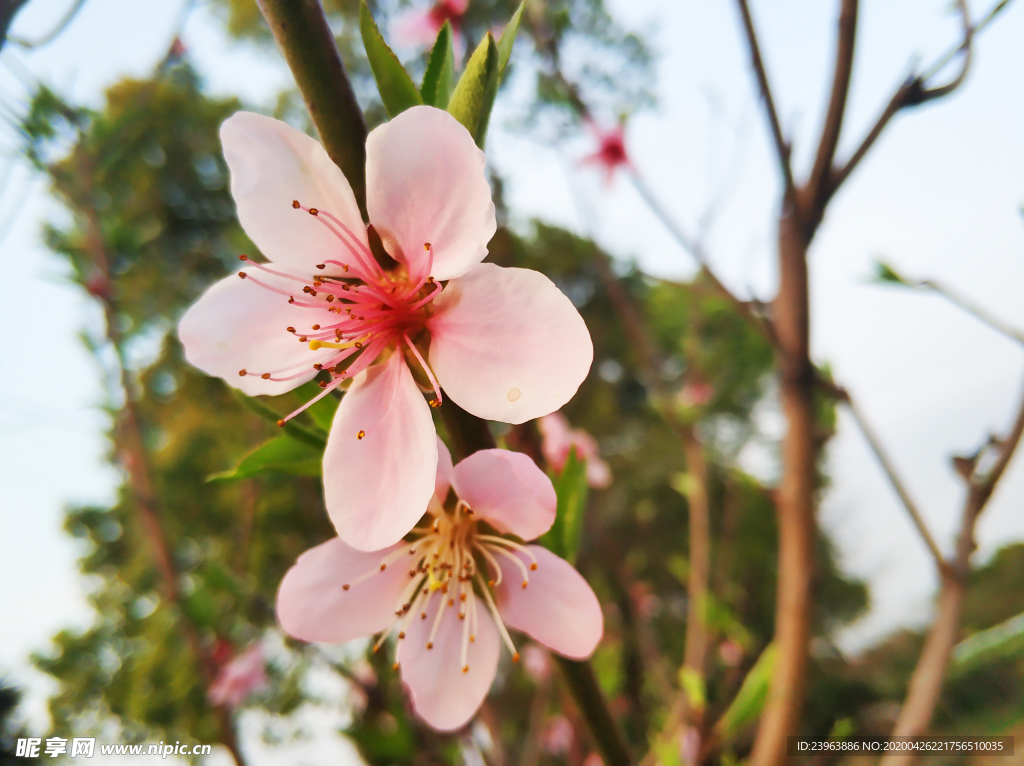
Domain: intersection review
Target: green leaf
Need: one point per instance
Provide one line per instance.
(692, 683)
(282, 454)
(886, 274)
(991, 645)
(313, 437)
(439, 79)
(397, 90)
(508, 39)
(751, 698)
(473, 97)
(571, 489)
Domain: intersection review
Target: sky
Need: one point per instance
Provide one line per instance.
(939, 197)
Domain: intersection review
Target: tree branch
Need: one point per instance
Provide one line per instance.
(915, 90)
(842, 395)
(579, 677)
(926, 681)
(781, 145)
(8, 10)
(817, 185)
(973, 309)
(305, 38)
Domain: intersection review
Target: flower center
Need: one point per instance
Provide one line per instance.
(449, 561)
(356, 311)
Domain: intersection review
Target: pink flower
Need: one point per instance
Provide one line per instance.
(238, 678)
(695, 394)
(558, 736)
(451, 592)
(417, 28)
(611, 150)
(558, 439)
(504, 343)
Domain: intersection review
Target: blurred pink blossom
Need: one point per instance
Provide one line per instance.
(558, 736)
(537, 663)
(417, 28)
(731, 652)
(451, 593)
(238, 678)
(611, 150)
(558, 439)
(689, 746)
(694, 394)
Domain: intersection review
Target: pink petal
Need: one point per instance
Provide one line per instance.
(599, 475)
(444, 696)
(415, 28)
(557, 608)
(378, 486)
(313, 605)
(273, 164)
(507, 490)
(507, 345)
(556, 439)
(443, 479)
(237, 325)
(425, 183)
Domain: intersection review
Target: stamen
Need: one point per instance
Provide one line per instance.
(497, 617)
(436, 401)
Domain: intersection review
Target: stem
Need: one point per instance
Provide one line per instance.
(579, 678)
(979, 313)
(695, 651)
(796, 500)
(305, 38)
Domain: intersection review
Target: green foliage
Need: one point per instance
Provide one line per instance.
(886, 274)
(571, 489)
(474, 93)
(396, 88)
(750, 700)
(439, 77)
(281, 455)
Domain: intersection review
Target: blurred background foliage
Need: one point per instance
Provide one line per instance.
(150, 225)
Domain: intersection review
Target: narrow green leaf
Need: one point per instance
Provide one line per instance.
(750, 699)
(281, 454)
(564, 536)
(886, 274)
(508, 39)
(397, 90)
(474, 94)
(439, 79)
(313, 437)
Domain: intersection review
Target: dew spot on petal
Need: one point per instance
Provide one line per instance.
(514, 394)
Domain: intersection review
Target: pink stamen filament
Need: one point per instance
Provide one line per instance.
(426, 369)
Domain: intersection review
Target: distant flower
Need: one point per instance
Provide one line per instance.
(558, 439)
(537, 663)
(504, 343)
(238, 678)
(450, 591)
(695, 394)
(611, 150)
(731, 652)
(558, 736)
(416, 27)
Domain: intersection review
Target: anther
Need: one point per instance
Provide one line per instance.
(462, 615)
(265, 376)
(426, 245)
(321, 265)
(241, 274)
(314, 211)
(318, 366)
(465, 668)
(423, 615)
(330, 298)
(302, 339)
(243, 257)
(435, 403)
(295, 204)
(280, 422)
(472, 638)
(462, 597)
(361, 434)
(291, 299)
(525, 583)
(533, 567)
(515, 657)
(383, 567)
(316, 327)
(401, 634)
(242, 373)
(290, 329)
(451, 602)
(346, 586)
(430, 644)
(322, 384)
(490, 583)
(395, 666)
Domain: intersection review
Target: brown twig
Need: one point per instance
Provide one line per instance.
(915, 90)
(926, 682)
(816, 188)
(843, 395)
(782, 148)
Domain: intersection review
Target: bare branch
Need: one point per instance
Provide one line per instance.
(781, 146)
(817, 184)
(973, 309)
(915, 90)
(843, 395)
(8, 10)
